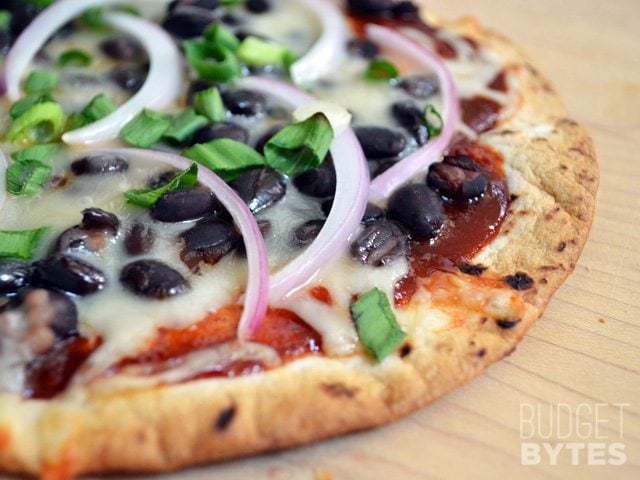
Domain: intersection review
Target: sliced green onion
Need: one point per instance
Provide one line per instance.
(148, 197)
(433, 121)
(92, 17)
(231, 3)
(209, 103)
(38, 153)
(380, 69)
(26, 103)
(20, 244)
(42, 123)
(146, 129)
(99, 107)
(41, 3)
(376, 324)
(27, 177)
(75, 57)
(5, 19)
(185, 125)
(74, 121)
(220, 36)
(300, 146)
(212, 62)
(40, 82)
(226, 157)
(257, 52)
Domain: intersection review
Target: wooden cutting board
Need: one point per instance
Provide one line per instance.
(583, 356)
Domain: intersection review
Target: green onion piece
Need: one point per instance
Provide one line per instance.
(209, 103)
(40, 82)
(148, 197)
(226, 157)
(185, 125)
(5, 19)
(42, 123)
(433, 121)
(75, 120)
(99, 107)
(381, 69)
(38, 153)
(231, 3)
(288, 60)
(20, 244)
(220, 36)
(376, 324)
(75, 57)
(257, 52)
(26, 103)
(92, 17)
(145, 129)
(27, 177)
(212, 62)
(300, 146)
(41, 3)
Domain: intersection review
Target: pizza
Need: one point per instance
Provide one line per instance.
(236, 226)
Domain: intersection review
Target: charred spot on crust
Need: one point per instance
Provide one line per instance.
(406, 350)
(339, 390)
(225, 417)
(519, 281)
(471, 269)
(562, 246)
(481, 353)
(507, 324)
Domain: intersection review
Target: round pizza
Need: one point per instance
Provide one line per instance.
(234, 226)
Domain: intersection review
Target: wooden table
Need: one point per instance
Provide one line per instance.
(586, 349)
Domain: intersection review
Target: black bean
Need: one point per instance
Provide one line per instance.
(419, 86)
(370, 7)
(258, 6)
(242, 34)
(76, 238)
(380, 142)
(409, 115)
(153, 279)
(129, 79)
(306, 233)
(406, 10)
(519, 281)
(187, 22)
(14, 276)
(100, 164)
(98, 219)
(160, 179)
(456, 183)
(372, 214)
(507, 323)
(206, 4)
(231, 20)
(139, 239)
(364, 48)
(262, 141)
(380, 243)
(318, 182)
(244, 102)
(69, 274)
(260, 188)
(208, 242)
(5, 41)
(221, 130)
(265, 228)
(183, 205)
(419, 209)
(326, 206)
(378, 167)
(22, 14)
(64, 315)
(123, 48)
(198, 86)
(472, 269)
(463, 161)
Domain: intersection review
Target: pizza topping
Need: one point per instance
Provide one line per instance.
(455, 181)
(91, 234)
(122, 48)
(419, 209)
(221, 130)
(14, 276)
(139, 239)
(376, 324)
(380, 243)
(129, 79)
(318, 182)
(187, 21)
(419, 86)
(363, 48)
(244, 102)
(305, 234)
(260, 188)
(69, 274)
(258, 6)
(208, 242)
(480, 113)
(380, 142)
(507, 324)
(100, 164)
(20, 243)
(519, 281)
(183, 205)
(408, 115)
(153, 279)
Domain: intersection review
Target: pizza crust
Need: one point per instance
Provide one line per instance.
(550, 165)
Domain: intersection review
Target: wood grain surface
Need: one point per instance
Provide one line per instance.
(583, 356)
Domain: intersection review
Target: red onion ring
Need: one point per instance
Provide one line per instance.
(349, 203)
(256, 293)
(160, 89)
(385, 184)
(329, 50)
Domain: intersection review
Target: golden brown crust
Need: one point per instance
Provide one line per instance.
(552, 169)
